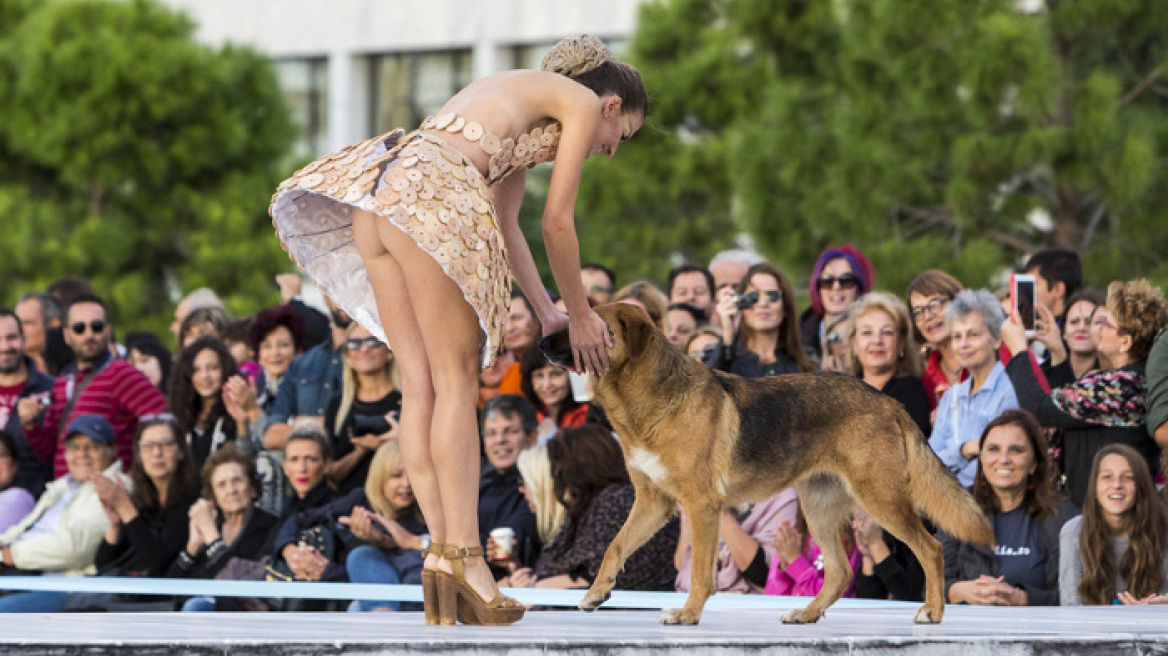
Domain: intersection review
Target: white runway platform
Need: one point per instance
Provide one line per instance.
(883, 630)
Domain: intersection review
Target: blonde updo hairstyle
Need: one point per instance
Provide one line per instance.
(585, 59)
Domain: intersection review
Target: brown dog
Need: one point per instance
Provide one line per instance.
(707, 440)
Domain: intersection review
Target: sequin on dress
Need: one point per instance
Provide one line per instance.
(426, 188)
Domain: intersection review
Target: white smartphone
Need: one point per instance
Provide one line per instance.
(579, 385)
(1022, 300)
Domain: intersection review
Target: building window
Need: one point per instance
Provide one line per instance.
(407, 87)
(304, 83)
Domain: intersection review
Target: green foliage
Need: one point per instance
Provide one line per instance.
(922, 131)
(135, 157)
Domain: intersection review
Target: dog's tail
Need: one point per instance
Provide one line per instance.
(936, 492)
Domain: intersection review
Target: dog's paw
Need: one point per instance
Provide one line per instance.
(926, 616)
(592, 601)
(800, 616)
(680, 617)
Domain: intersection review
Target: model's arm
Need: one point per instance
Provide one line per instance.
(508, 197)
(579, 112)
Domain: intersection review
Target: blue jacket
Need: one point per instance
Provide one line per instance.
(312, 380)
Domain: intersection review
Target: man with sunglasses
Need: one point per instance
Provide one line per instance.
(97, 383)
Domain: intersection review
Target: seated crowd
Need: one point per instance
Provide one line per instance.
(266, 447)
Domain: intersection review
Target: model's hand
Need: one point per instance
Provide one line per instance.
(554, 323)
(590, 342)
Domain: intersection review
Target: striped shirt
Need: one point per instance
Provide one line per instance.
(119, 393)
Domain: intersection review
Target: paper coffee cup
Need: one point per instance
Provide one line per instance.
(504, 538)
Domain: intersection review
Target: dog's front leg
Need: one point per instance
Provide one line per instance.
(704, 519)
(650, 511)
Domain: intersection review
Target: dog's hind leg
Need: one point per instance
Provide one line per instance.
(892, 507)
(827, 507)
(704, 521)
(650, 511)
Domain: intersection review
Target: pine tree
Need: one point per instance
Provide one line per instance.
(927, 133)
(135, 157)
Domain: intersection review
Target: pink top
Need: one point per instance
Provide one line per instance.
(804, 576)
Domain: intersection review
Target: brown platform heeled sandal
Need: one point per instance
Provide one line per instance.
(430, 586)
(458, 601)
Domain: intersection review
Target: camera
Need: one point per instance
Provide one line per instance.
(746, 301)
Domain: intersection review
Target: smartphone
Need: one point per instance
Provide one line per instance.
(1022, 300)
(579, 386)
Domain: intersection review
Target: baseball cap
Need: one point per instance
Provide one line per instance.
(93, 426)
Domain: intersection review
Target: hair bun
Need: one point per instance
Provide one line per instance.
(575, 55)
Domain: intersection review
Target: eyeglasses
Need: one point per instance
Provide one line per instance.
(357, 344)
(846, 281)
(832, 338)
(156, 444)
(97, 327)
(932, 307)
(598, 289)
(86, 445)
(751, 298)
(156, 418)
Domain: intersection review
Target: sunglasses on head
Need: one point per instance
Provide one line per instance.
(358, 344)
(846, 281)
(751, 298)
(96, 326)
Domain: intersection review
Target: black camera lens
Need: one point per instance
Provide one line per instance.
(747, 300)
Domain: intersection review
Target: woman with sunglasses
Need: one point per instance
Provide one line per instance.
(365, 414)
(760, 334)
(1102, 407)
(840, 276)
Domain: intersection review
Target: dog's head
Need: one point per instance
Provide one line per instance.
(629, 325)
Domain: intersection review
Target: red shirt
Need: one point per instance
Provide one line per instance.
(936, 384)
(9, 394)
(119, 393)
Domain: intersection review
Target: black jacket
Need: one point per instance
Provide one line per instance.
(739, 360)
(150, 543)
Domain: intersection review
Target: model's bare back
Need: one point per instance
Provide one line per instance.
(513, 102)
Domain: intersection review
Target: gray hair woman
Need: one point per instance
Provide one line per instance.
(975, 326)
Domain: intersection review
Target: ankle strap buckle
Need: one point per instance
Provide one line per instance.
(452, 552)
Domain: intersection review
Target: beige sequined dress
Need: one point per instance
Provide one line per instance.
(432, 192)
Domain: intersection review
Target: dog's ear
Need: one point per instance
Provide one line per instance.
(638, 332)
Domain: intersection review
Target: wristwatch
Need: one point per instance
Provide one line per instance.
(425, 543)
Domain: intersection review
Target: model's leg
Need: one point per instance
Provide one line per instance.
(395, 309)
(449, 331)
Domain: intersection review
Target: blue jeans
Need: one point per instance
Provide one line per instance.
(367, 564)
(199, 605)
(39, 601)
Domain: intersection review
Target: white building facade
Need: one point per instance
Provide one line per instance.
(354, 68)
